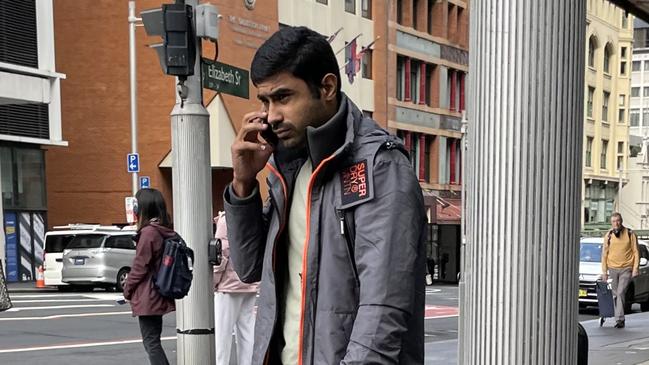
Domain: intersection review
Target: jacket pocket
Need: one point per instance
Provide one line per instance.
(347, 234)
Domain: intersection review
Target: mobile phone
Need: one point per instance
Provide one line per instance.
(269, 135)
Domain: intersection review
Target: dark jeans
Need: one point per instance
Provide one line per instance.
(151, 328)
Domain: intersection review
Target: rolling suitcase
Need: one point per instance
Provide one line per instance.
(605, 301)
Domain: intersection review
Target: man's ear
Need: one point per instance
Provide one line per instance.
(329, 87)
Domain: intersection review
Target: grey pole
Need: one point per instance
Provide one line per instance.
(132, 20)
(524, 192)
(192, 213)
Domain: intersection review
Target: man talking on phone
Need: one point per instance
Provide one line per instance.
(338, 246)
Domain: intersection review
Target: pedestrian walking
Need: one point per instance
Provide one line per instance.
(234, 305)
(147, 304)
(620, 260)
(338, 246)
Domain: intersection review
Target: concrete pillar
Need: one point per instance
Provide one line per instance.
(519, 302)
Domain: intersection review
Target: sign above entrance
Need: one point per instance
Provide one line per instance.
(225, 79)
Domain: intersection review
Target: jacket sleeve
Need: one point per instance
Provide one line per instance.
(605, 254)
(389, 257)
(247, 229)
(141, 262)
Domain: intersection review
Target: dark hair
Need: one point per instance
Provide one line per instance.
(299, 51)
(617, 215)
(151, 204)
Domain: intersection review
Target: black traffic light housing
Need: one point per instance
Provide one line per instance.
(174, 23)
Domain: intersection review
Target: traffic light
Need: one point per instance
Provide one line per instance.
(173, 22)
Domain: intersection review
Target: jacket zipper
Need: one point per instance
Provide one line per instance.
(345, 231)
(279, 233)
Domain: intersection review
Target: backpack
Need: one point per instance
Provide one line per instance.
(628, 230)
(175, 275)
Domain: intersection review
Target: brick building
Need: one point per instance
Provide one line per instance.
(427, 65)
(87, 182)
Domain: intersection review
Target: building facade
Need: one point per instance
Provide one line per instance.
(427, 65)
(609, 39)
(30, 129)
(634, 202)
(88, 182)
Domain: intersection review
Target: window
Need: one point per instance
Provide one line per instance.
(636, 65)
(589, 151)
(23, 178)
(623, 53)
(366, 9)
(625, 20)
(620, 115)
(415, 20)
(418, 146)
(634, 117)
(622, 99)
(120, 242)
(623, 68)
(366, 64)
(635, 92)
(645, 92)
(646, 65)
(591, 96)
(607, 58)
(607, 96)
(350, 6)
(322, 1)
(592, 45)
(645, 117)
(620, 163)
(620, 147)
(401, 78)
(414, 81)
(400, 11)
(602, 157)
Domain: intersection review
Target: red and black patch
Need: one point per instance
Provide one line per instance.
(354, 183)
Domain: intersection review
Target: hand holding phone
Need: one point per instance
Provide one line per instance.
(268, 135)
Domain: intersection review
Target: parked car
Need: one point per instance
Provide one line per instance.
(56, 241)
(101, 258)
(590, 268)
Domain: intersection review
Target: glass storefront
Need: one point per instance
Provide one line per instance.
(599, 201)
(24, 203)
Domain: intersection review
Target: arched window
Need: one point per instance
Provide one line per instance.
(592, 46)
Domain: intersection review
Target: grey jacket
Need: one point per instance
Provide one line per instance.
(363, 288)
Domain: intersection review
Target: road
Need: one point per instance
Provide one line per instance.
(53, 328)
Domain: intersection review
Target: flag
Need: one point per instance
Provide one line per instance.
(333, 36)
(350, 60)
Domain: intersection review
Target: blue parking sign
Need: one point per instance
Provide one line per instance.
(133, 162)
(145, 182)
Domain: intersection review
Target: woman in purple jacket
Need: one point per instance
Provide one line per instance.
(234, 305)
(146, 303)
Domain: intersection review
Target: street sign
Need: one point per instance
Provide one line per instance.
(133, 162)
(145, 182)
(224, 78)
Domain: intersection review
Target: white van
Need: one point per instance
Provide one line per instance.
(55, 242)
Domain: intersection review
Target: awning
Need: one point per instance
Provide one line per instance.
(447, 210)
(639, 8)
(221, 136)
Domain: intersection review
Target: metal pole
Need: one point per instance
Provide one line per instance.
(526, 73)
(132, 20)
(192, 212)
(619, 191)
(463, 261)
